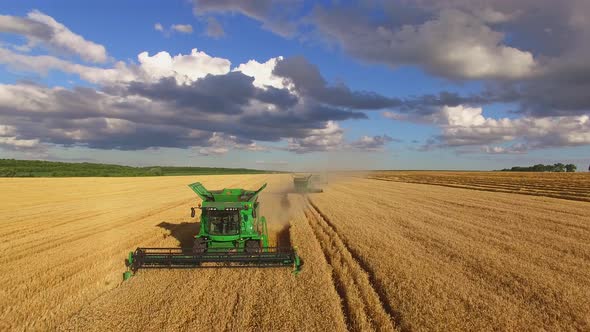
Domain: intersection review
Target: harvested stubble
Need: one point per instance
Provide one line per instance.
(362, 306)
(572, 186)
(224, 299)
(457, 259)
(378, 255)
(64, 241)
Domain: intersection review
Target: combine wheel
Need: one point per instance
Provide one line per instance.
(200, 246)
(252, 247)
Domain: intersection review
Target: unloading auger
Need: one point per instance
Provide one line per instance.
(232, 234)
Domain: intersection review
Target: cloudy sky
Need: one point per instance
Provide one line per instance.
(292, 84)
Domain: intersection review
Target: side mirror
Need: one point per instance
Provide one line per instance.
(192, 212)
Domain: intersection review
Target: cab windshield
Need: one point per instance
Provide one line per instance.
(224, 222)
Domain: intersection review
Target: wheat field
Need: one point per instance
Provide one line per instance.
(457, 259)
(572, 186)
(377, 255)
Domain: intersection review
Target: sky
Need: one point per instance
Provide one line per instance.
(297, 85)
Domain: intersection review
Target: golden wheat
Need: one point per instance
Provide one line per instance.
(226, 299)
(456, 259)
(572, 186)
(378, 255)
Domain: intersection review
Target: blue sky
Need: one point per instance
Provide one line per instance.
(394, 86)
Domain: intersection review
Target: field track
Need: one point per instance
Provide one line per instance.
(378, 255)
(365, 307)
(457, 259)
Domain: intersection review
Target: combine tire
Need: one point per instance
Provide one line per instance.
(200, 246)
(252, 247)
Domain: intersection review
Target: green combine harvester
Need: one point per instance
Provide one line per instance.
(305, 184)
(231, 234)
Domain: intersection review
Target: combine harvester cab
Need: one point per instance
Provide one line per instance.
(305, 184)
(231, 234)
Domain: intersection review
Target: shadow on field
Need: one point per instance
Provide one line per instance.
(284, 237)
(183, 232)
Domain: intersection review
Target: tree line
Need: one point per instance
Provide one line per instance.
(41, 168)
(559, 167)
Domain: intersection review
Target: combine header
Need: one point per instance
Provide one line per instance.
(231, 234)
(305, 183)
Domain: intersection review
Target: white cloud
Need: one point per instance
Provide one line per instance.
(518, 148)
(329, 138)
(491, 15)
(467, 126)
(457, 43)
(371, 143)
(63, 38)
(41, 29)
(15, 143)
(42, 64)
(185, 68)
(215, 151)
(7, 130)
(262, 73)
(454, 44)
(182, 28)
(220, 144)
(462, 116)
(254, 147)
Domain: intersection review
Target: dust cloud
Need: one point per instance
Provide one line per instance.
(278, 209)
